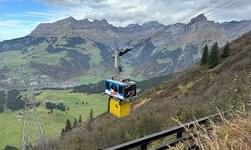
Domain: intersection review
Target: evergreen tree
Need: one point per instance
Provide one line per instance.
(8, 147)
(213, 59)
(91, 114)
(226, 51)
(80, 119)
(1, 108)
(62, 131)
(68, 125)
(204, 56)
(89, 123)
(75, 122)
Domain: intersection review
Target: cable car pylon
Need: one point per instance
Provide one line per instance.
(121, 90)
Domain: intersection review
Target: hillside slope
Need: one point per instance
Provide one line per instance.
(189, 94)
(71, 52)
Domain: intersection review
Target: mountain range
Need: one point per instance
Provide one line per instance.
(71, 52)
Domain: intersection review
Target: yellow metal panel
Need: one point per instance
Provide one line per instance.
(119, 109)
(114, 107)
(125, 109)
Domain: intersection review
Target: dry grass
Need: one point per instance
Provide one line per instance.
(234, 134)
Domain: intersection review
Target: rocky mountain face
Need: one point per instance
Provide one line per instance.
(69, 51)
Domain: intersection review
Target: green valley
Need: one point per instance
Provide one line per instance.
(78, 104)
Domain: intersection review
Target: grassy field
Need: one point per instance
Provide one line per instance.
(78, 103)
(10, 129)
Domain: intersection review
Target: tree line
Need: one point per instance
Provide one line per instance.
(51, 106)
(212, 58)
(69, 126)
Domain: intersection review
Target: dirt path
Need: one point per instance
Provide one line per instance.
(142, 102)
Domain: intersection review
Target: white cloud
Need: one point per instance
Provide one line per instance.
(10, 29)
(123, 12)
(38, 14)
(8, 23)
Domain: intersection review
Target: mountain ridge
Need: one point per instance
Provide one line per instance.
(79, 51)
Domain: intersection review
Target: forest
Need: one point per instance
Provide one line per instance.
(10, 100)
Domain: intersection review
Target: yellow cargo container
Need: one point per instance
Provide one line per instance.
(119, 108)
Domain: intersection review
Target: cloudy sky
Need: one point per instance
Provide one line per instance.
(20, 17)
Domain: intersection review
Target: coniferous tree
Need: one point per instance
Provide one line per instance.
(80, 119)
(8, 147)
(1, 108)
(204, 56)
(75, 122)
(68, 125)
(213, 59)
(91, 114)
(226, 51)
(89, 123)
(62, 131)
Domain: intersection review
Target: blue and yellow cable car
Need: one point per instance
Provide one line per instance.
(121, 91)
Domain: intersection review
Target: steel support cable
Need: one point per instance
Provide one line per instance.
(194, 12)
(222, 6)
(23, 136)
(206, 9)
(37, 118)
(190, 14)
(229, 5)
(32, 127)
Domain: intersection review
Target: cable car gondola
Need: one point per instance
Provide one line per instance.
(120, 90)
(125, 90)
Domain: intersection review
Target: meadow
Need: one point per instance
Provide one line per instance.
(78, 104)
